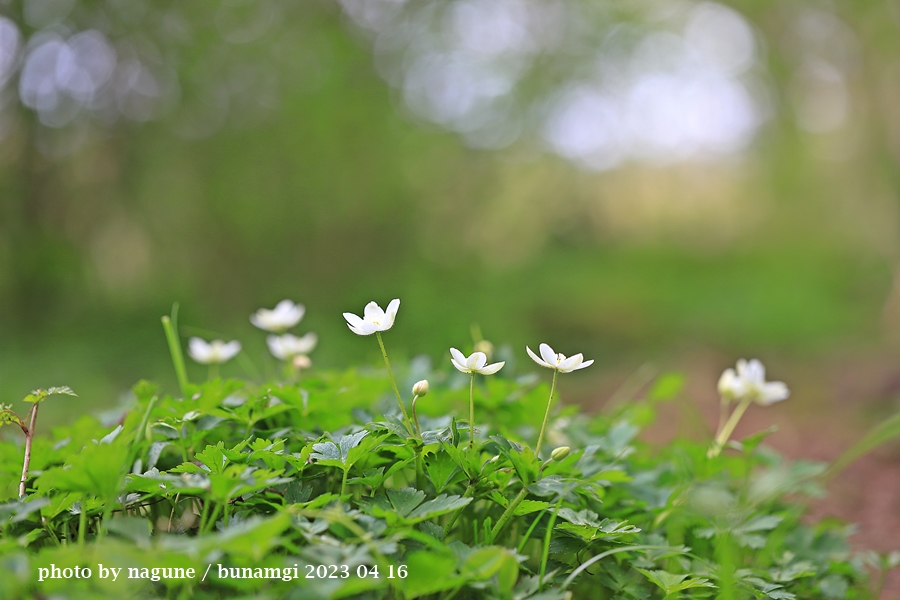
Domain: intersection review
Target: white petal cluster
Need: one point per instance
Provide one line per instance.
(475, 363)
(749, 382)
(285, 315)
(374, 319)
(557, 361)
(214, 352)
(287, 346)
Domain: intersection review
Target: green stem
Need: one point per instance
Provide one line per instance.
(547, 536)
(212, 372)
(468, 493)
(472, 411)
(416, 416)
(82, 521)
(420, 472)
(726, 431)
(507, 515)
(387, 363)
(344, 482)
(537, 451)
(170, 324)
(29, 439)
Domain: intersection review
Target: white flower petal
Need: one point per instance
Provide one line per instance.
(568, 365)
(537, 359)
(457, 356)
(390, 314)
(373, 313)
(476, 360)
(549, 356)
(583, 365)
(353, 320)
(491, 369)
(460, 367)
(276, 347)
(199, 350)
(772, 392)
(230, 350)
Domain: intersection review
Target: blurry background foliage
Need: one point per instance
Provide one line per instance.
(649, 180)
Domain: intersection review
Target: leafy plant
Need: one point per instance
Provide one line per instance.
(318, 486)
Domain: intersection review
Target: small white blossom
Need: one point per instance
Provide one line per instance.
(285, 315)
(374, 319)
(730, 386)
(287, 346)
(420, 388)
(475, 363)
(214, 352)
(557, 361)
(752, 375)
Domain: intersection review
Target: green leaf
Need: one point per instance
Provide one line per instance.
(666, 386)
(442, 470)
(404, 500)
(136, 529)
(39, 395)
(671, 583)
(443, 504)
(429, 573)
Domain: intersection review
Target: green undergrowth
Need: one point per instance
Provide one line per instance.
(317, 489)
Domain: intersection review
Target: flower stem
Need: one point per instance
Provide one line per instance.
(170, 325)
(416, 416)
(472, 411)
(213, 372)
(387, 363)
(507, 515)
(726, 431)
(29, 439)
(469, 491)
(537, 451)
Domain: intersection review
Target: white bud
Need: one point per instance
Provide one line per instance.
(420, 388)
(301, 361)
(560, 453)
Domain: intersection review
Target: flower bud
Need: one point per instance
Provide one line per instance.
(301, 361)
(560, 453)
(420, 388)
(495, 458)
(486, 347)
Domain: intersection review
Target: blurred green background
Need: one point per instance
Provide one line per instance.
(682, 183)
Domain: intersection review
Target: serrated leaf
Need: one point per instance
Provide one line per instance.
(671, 583)
(404, 500)
(40, 395)
(439, 506)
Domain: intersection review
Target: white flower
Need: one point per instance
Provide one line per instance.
(285, 315)
(214, 352)
(557, 361)
(287, 346)
(476, 363)
(374, 319)
(420, 388)
(752, 375)
(730, 386)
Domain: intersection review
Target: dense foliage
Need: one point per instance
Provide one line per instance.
(319, 478)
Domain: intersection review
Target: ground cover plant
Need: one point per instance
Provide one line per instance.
(474, 483)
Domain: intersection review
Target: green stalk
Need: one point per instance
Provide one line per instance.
(387, 363)
(726, 431)
(537, 451)
(212, 372)
(472, 411)
(469, 490)
(416, 416)
(170, 324)
(547, 536)
(507, 515)
(344, 482)
(82, 521)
